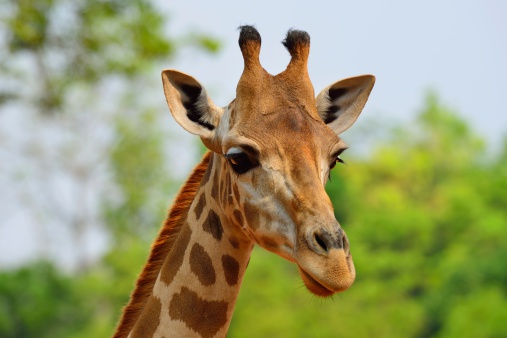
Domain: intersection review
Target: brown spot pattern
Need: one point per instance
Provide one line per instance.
(207, 173)
(202, 316)
(150, 320)
(214, 188)
(201, 265)
(238, 217)
(224, 188)
(251, 215)
(288, 245)
(268, 221)
(175, 256)
(231, 269)
(234, 242)
(229, 198)
(220, 192)
(213, 225)
(229, 189)
(268, 242)
(236, 192)
(200, 205)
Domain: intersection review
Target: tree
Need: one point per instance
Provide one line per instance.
(73, 69)
(37, 301)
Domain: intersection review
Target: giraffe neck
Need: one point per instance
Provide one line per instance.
(200, 279)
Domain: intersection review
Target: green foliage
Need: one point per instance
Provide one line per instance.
(38, 301)
(139, 169)
(29, 26)
(89, 40)
(137, 161)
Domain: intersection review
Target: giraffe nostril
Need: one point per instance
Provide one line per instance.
(320, 242)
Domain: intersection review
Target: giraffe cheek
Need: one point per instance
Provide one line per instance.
(252, 216)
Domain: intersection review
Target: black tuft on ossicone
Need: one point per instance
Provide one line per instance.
(294, 39)
(248, 33)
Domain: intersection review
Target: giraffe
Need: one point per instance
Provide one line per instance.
(261, 182)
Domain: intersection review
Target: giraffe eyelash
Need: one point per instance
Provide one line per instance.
(337, 159)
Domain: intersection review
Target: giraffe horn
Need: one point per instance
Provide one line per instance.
(250, 45)
(298, 44)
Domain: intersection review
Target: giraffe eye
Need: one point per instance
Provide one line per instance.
(240, 162)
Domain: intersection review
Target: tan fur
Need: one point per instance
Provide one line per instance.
(161, 248)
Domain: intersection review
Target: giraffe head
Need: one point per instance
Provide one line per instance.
(277, 144)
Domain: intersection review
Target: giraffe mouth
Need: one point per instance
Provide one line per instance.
(325, 276)
(313, 285)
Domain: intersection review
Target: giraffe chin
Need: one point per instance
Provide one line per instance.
(313, 286)
(340, 276)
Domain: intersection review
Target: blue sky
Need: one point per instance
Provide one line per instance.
(457, 48)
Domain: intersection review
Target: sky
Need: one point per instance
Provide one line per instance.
(455, 48)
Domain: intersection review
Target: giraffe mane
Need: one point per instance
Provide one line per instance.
(160, 248)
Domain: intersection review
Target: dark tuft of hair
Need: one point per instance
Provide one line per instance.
(248, 33)
(295, 38)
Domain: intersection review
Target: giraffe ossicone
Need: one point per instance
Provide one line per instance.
(271, 150)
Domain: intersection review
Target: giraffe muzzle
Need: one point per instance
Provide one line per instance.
(324, 261)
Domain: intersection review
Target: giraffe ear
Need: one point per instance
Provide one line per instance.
(190, 105)
(340, 104)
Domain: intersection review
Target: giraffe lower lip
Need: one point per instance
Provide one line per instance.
(314, 286)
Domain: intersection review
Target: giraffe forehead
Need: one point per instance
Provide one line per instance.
(266, 94)
(273, 100)
(286, 131)
(276, 110)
